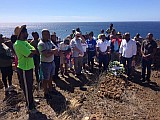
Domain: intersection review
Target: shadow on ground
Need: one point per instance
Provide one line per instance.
(137, 79)
(58, 102)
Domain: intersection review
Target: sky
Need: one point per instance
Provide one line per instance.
(79, 10)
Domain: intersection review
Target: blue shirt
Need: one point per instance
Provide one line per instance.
(116, 46)
(91, 45)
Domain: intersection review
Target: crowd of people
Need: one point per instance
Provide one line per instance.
(48, 57)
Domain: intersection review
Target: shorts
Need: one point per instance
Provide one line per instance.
(48, 70)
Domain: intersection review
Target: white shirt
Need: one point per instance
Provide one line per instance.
(128, 49)
(63, 46)
(103, 45)
(84, 46)
(48, 45)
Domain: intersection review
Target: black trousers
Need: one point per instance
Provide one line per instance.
(36, 59)
(7, 73)
(26, 80)
(103, 59)
(57, 64)
(128, 66)
(146, 64)
(91, 54)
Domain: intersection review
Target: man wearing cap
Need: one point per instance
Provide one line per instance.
(148, 50)
(47, 51)
(127, 52)
(25, 66)
(78, 52)
(103, 48)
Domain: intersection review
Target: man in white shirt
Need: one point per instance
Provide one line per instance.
(127, 50)
(78, 53)
(103, 47)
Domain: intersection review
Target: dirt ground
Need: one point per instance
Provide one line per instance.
(89, 97)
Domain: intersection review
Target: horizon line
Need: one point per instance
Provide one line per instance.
(84, 21)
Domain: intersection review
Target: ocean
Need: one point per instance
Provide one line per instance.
(63, 29)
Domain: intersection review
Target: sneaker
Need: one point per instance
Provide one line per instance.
(71, 69)
(84, 71)
(11, 88)
(148, 80)
(143, 80)
(6, 89)
(129, 78)
(53, 85)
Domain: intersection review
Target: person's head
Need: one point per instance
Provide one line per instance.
(53, 37)
(21, 32)
(13, 38)
(119, 35)
(102, 31)
(1, 38)
(66, 41)
(150, 36)
(91, 34)
(73, 31)
(111, 37)
(45, 34)
(35, 35)
(78, 30)
(137, 35)
(113, 32)
(69, 37)
(111, 25)
(127, 36)
(103, 37)
(77, 35)
(86, 36)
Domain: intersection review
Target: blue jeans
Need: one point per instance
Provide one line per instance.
(128, 66)
(48, 70)
(103, 59)
(146, 64)
(91, 54)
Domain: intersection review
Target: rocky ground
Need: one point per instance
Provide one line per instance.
(89, 97)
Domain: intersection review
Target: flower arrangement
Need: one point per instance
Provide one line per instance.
(116, 68)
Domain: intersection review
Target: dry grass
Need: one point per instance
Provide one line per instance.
(91, 97)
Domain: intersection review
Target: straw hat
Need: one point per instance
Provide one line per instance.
(118, 33)
(18, 30)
